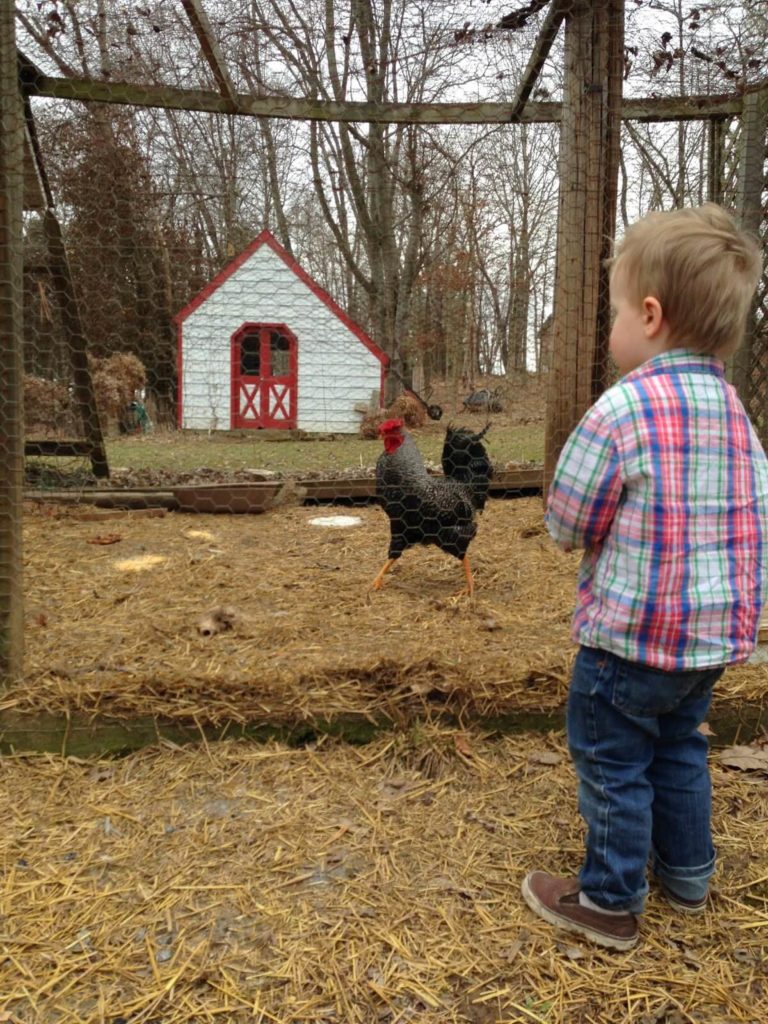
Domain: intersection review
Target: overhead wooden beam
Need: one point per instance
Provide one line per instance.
(211, 52)
(547, 36)
(92, 91)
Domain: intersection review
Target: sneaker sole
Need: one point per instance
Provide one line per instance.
(608, 941)
(685, 908)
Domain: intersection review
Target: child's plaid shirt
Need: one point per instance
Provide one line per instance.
(665, 485)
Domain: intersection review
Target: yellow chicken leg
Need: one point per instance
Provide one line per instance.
(378, 582)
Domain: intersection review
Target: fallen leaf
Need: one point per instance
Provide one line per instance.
(747, 759)
(421, 688)
(218, 620)
(106, 538)
(462, 745)
(545, 757)
(574, 953)
(509, 952)
(744, 956)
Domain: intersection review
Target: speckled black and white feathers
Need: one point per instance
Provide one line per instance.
(427, 509)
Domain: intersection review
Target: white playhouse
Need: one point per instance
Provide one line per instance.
(263, 346)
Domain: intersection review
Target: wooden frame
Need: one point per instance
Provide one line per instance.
(89, 90)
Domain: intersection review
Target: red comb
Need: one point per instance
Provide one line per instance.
(390, 426)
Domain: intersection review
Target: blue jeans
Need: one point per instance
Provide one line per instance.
(644, 786)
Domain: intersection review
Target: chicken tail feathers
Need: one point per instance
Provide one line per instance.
(466, 460)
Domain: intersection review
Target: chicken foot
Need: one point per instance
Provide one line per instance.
(379, 581)
(469, 590)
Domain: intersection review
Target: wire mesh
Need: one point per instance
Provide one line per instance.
(229, 283)
(241, 245)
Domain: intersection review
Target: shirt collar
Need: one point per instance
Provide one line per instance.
(678, 360)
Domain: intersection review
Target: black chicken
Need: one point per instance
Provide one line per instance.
(425, 509)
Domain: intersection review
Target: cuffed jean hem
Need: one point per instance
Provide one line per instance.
(687, 883)
(636, 906)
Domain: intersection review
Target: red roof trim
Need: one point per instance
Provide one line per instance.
(180, 379)
(267, 238)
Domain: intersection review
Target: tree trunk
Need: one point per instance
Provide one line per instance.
(519, 302)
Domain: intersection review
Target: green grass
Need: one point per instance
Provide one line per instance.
(185, 451)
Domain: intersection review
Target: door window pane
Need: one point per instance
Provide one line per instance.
(250, 355)
(279, 348)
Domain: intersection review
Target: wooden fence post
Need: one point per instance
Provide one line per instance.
(589, 160)
(11, 362)
(750, 372)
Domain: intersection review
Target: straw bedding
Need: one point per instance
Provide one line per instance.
(113, 604)
(376, 884)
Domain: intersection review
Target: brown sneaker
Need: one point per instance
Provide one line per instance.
(684, 906)
(557, 901)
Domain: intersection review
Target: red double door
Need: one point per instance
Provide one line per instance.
(264, 377)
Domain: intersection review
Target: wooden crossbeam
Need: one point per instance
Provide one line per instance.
(211, 51)
(549, 29)
(93, 91)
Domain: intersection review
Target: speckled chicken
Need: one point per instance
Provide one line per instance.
(427, 509)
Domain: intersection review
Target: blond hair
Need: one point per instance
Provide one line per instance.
(702, 269)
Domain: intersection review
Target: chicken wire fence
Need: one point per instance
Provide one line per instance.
(230, 253)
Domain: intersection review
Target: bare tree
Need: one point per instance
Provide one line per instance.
(370, 181)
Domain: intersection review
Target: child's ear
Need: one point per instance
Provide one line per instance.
(653, 316)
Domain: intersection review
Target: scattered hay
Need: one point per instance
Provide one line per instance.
(236, 883)
(369, 427)
(117, 379)
(140, 563)
(405, 407)
(310, 640)
(48, 404)
(409, 409)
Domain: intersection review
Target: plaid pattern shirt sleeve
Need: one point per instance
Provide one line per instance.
(586, 487)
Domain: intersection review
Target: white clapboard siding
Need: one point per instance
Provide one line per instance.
(336, 368)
